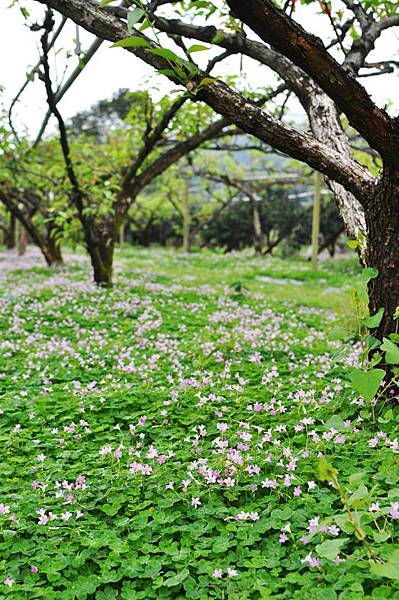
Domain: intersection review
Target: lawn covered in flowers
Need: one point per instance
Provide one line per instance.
(190, 434)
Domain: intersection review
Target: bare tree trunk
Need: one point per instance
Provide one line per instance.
(100, 243)
(53, 245)
(10, 236)
(382, 216)
(256, 225)
(22, 240)
(272, 245)
(331, 241)
(327, 128)
(101, 256)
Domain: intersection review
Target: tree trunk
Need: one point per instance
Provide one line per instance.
(101, 256)
(256, 225)
(10, 237)
(100, 243)
(53, 250)
(54, 253)
(327, 128)
(330, 242)
(22, 241)
(272, 245)
(382, 217)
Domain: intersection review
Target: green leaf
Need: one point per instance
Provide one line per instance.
(177, 579)
(357, 477)
(391, 352)
(219, 37)
(166, 53)
(331, 548)
(206, 81)
(132, 42)
(335, 422)
(134, 17)
(373, 321)
(389, 569)
(326, 471)
(366, 383)
(360, 494)
(168, 73)
(381, 536)
(196, 48)
(104, 2)
(373, 342)
(111, 509)
(367, 274)
(354, 244)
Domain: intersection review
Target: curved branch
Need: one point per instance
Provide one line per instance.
(308, 53)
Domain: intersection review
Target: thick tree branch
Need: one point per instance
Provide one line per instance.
(308, 52)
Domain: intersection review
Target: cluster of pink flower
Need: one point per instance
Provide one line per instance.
(218, 573)
(45, 518)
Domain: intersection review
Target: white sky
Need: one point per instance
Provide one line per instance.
(112, 69)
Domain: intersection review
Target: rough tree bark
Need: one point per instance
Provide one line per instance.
(382, 218)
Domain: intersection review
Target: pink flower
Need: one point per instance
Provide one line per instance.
(297, 491)
(231, 572)
(304, 539)
(169, 486)
(66, 516)
(43, 517)
(313, 524)
(195, 502)
(375, 507)
(217, 574)
(394, 510)
(312, 561)
(34, 569)
(4, 510)
(283, 538)
(9, 582)
(222, 426)
(41, 457)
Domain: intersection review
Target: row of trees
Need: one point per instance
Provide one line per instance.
(324, 78)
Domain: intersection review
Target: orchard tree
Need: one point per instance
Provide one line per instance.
(326, 86)
(31, 190)
(160, 139)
